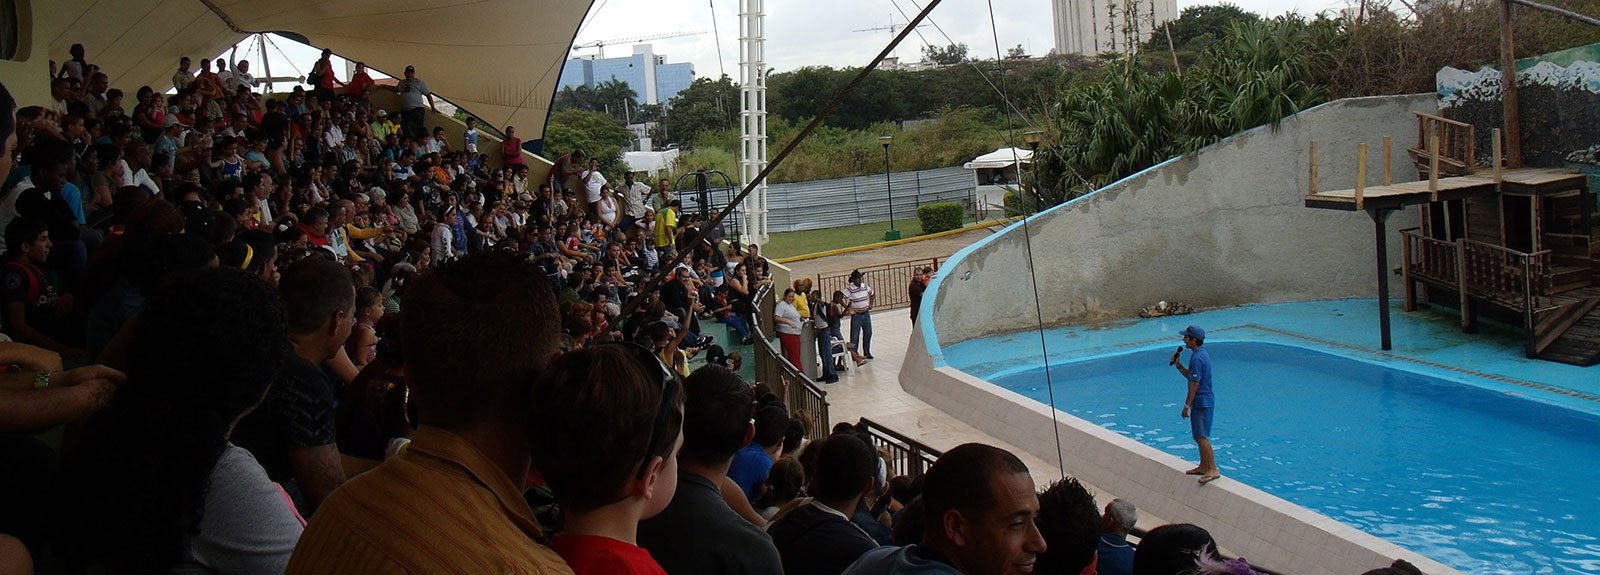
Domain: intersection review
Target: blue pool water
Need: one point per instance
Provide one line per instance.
(1482, 481)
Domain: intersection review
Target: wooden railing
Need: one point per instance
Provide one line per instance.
(790, 382)
(888, 281)
(907, 456)
(1456, 139)
(1507, 276)
(1430, 258)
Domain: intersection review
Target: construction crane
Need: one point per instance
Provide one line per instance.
(893, 29)
(601, 44)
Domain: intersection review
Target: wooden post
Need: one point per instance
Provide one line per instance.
(1508, 89)
(1361, 175)
(1388, 172)
(1313, 168)
(1433, 165)
(1495, 142)
(1405, 273)
(1467, 324)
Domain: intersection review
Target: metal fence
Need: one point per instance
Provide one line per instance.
(820, 204)
(890, 282)
(907, 456)
(797, 389)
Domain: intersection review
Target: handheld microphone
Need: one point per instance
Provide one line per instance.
(1175, 356)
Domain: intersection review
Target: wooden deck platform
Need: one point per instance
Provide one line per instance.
(1482, 182)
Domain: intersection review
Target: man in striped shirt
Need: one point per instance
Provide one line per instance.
(451, 502)
(860, 312)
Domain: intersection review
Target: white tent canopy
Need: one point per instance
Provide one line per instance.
(1001, 158)
(500, 59)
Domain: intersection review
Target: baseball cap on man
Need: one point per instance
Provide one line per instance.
(1194, 331)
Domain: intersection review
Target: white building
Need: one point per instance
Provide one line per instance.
(1090, 27)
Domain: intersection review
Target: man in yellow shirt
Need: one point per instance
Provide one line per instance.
(382, 127)
(667, 231)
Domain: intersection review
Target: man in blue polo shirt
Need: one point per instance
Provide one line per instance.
(1198, 407)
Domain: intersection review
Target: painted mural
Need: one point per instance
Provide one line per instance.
(1560, 103)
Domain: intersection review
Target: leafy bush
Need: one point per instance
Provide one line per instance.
(940, 216)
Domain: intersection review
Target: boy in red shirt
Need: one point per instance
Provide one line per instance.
(607, 425)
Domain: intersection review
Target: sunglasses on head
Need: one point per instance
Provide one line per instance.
(665, 377)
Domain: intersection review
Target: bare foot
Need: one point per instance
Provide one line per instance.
(1195, 471)
(1209, 477)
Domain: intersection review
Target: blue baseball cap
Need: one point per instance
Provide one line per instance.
(1194, 331)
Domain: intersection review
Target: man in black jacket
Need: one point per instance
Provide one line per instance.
(818, 536)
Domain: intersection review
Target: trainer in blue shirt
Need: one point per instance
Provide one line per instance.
(1200, 403)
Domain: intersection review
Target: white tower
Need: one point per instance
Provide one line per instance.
(1089, 27)
(753, 118)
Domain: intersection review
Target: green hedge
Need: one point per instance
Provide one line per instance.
(940, 216)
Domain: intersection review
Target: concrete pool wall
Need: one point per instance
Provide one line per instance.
(1220, 227)
(1223, 226)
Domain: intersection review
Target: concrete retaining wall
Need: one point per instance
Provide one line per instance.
(1219, 227)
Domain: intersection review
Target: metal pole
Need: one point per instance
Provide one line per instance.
(888, 184)
(1379, 216)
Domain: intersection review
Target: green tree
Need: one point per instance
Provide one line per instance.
(1200, 26)
(945, 56)
(602, 136)
(704, 106)
(615, 97)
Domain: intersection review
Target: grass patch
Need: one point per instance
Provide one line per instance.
(789, 244)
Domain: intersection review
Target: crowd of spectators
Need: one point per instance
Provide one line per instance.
(303, 338)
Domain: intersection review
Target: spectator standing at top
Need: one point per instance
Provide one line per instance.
(470, 137)
(292, 433)
(698, 532)
(861, 300)
(75, 67)
(451, 502)
(633, 195)
(606, 428)
(566, 174)
(919, 284)
(241, 77)
(979, 519)
(1115, 555)
(818, 538)
(359, 83)
(414, 94)
(1198, 405)
(183, 76)
(321, 77)
(510, 148)
(663, 194)
(667, 231)
(593, 183)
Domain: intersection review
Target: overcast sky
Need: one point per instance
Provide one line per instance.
(822, 32)
(802, 32)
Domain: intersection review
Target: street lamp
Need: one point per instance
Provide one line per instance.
(892, 234)
(1032, 137)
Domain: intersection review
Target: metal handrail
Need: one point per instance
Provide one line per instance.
(889, 281)
(907, 456)
(791, 383)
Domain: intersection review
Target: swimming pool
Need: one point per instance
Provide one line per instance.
(1482, 481)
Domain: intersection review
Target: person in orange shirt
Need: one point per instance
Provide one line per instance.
(451, 500)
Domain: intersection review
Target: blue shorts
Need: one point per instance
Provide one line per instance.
(1200, 422)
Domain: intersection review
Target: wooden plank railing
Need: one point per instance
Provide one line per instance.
(1456, 139)
(791, 383)
(888, 281)
(907, 456)
(1430, 258)
(1515, 279)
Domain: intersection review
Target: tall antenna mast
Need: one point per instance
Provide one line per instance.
(753, 118)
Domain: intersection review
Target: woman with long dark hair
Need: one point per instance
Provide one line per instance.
(156, 486)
